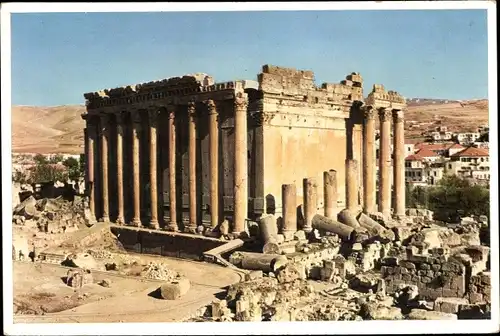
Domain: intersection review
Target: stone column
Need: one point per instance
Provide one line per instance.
(240, 163)
(310, 186)
(214, 163)
(91, 131)
(104, 167)
(119, 167)
(136, 119)
(369, 161)
(172, 225)
(399, 164)
(289, 200)
(330, 192)
(384, 201)
(352, 176)
(191, 227)
(153, 177)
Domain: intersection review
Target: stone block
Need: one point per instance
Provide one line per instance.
(407, 264)
(449, 305)
(425, 279)
(425, 266)
(406, 277)
(421, 314)
(436, 267)
(474, 312)
(476, 298)
(175, 289)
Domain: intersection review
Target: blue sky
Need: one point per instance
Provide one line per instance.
(56, 57)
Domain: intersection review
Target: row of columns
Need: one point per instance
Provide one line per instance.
(240, 164)
(385, 163)
(310, 185)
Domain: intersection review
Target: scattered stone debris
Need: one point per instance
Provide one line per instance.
(159, 271)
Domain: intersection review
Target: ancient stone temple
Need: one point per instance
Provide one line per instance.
(186, 152)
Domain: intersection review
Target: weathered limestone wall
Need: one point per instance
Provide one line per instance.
(433, 277)
(297, 153)
(165, 243)
(304, 131)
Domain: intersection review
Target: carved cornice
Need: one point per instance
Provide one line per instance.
(384, 114)
(261, 118)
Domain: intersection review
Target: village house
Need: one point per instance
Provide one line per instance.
(472, 163)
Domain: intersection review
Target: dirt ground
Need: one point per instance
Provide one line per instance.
(40, 289)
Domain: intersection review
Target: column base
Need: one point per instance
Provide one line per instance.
(288, 235)
(120, 221)
(104, 219)
(190, 229)
(172, 226)
(154, 224)
(136, 222)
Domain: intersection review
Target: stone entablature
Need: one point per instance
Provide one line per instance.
(178, 91)
(292, 87)
(379, 97)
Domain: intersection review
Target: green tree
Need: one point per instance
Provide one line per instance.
(73, 167)
(82, 162)
(40, 159)
(454, 196)
(56, 158)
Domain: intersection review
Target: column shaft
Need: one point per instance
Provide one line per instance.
(214, 162)
(153, 177)
(136, 118)
(104, 167)
(352, 203)
(384, 202)
(240, 163)
(369, 162)
(330, 192)
(91, 131)
(289, 200)
(192, 168)
(119, 167)
(171, 169)
(399, 164)
(310, 186)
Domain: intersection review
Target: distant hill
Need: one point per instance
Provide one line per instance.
(458, 116)
(59, 129)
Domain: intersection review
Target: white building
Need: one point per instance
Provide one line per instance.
(467, 138)
(421, 172)
(472, 163)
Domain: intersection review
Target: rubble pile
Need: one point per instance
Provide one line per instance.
(50, 215)
(159, 271)
(374, 268)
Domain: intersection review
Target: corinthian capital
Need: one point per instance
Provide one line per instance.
(384, 114)
(191, 107)
(369, 113)
(153, 114)
(240, 101)
(136, 116)
(397, 116)
(211, 107)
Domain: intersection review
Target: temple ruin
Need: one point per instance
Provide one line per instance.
(183, 153)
